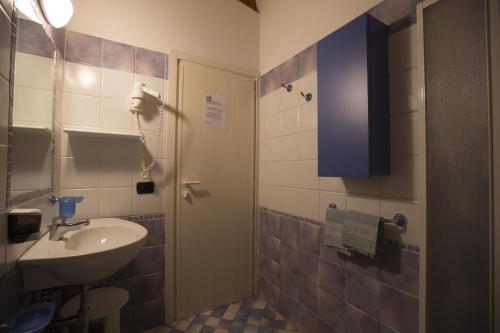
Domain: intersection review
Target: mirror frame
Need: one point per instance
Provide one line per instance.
(53, 35)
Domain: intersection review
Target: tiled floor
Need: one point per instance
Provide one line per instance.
(248, 316)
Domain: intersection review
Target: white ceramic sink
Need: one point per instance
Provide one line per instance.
(84, 254)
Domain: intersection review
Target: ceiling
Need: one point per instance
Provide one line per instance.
(250, 3)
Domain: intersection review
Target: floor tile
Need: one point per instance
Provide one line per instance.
(247, 316)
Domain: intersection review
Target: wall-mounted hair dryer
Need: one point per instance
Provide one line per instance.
(139, 94)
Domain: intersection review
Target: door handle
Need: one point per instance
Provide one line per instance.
(187, 183)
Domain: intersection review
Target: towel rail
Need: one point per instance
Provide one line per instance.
(399, 219)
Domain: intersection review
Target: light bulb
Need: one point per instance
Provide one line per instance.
(26, 8)
(57, 12)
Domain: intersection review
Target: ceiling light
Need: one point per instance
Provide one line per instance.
(57, 12)
(26, 7)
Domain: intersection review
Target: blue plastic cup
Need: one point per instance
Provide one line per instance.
(67, 206)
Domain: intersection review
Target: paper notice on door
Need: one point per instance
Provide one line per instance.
(214, 109)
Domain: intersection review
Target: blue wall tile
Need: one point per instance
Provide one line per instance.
(332, 309)
(83, 49)
(309, 266)
(363, 292)
(309, 237)
(400, 269)
(150, 63)
(332, 278)
(31, 38)
(290, 70)
(308, 295)
(307, 61)
(359, 322)
(398, 310)
(289, 230)
(118, 56)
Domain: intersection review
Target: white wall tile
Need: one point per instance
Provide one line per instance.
(33, 106)
(115, 172)
(117, 84)
(271, 125)
(270, 104)
(273, 149)
(76, 145)
(290, 200)
(327, 198)
(288, 99)
(334, 184)
(147, 203)
(289, 173)
(411, 209)
(31, 144)
(405, 181)
(308, 145)
(308, 174)
(273, 197)
(151, 82)
(403, 49)
(309, 204)
(149, 148)
(366, 186)
(270, 173)
(115, 114)
(262, 195)
(31, 173)
(34, 71)
(405, 134)
(115, 202)
(308, 84)
(289, 147)
(108, 147)
(157, 174)
(79, 172)
(362, 204)
(290, 121)
(82, 79)
(89, 207)
(80, 110)
(404, 91)
(308, 116)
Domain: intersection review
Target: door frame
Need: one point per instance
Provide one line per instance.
(172, 186)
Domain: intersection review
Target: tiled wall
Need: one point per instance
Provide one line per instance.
(143, 278)
(319, 290)
(104, 170)
(307, 282)
(98, 80)
(288, 145)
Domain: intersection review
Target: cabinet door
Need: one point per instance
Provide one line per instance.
(343, 119)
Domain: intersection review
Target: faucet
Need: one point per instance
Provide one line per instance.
(58, 222)
(67, 209)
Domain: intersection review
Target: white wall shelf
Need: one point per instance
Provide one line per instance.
(29, 128)
(98, 132)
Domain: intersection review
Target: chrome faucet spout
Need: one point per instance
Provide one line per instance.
(58, 222)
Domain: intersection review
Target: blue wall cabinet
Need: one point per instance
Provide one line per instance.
(353, 101)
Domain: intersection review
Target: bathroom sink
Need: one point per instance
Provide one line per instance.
(83, 255)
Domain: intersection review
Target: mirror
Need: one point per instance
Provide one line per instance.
(33, 105)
